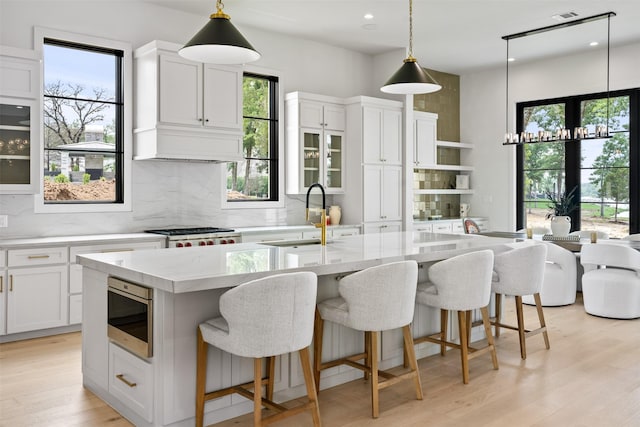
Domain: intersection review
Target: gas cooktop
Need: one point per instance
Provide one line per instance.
(189, 231)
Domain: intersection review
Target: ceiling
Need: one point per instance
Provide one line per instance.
(448, 35)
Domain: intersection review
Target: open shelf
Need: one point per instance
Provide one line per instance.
(447, 167)
(450, 144)
(442, 191)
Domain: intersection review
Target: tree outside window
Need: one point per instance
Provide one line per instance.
(255, 178)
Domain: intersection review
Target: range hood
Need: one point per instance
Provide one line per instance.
(167, 143)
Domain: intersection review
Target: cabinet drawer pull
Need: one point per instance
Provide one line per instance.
(124, 380)
(38, 256)
(11, 283)
(1, 283)
(105, 251)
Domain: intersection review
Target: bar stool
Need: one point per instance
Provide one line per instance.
(375, 299)
(519, 272)
(462, 284)
(262, 318)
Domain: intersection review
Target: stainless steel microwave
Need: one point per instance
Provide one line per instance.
(130, 316)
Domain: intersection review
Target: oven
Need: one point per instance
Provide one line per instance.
(130, 316)
(198, 236)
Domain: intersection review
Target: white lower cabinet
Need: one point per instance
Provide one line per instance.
(131, 381)
(37, 298)
(442, 227)
(37, 289)
(3, 295)
(382, 227)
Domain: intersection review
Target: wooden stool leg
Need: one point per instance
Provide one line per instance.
(410, 353)
(520, 317)
(271, 369)
(468, 318)
(367, 350)
(201, 378)
(541, 317)
(498, 314)
(464, 346)
(444, 320)
(311, 385)
(257, 391)
(487, 331)
(373, 352)
(318, 330)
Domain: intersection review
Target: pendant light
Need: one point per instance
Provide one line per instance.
(219, 42)
(411, 78)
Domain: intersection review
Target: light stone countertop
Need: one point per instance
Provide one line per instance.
(178, 270)
(80, 239)
(301, 227)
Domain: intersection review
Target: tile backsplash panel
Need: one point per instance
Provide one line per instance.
(426, 205)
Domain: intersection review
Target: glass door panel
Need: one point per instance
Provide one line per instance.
(311, 157)
(604, 168)
(543, 163)
(15, 144)
(333, 165)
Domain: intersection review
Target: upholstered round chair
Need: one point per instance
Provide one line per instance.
(559, 284)
(611, 280)
(376, 299)
(519, 272)
(461, 284)
(262, 319)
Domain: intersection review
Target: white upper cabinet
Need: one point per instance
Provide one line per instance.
(200, 94)
(382, 193)
(382, 135)
(424, 139)
(185, 109)
(315, 142)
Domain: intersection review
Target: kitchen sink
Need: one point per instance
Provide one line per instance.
(295, 243)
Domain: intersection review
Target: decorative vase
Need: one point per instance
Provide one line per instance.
(560, 226)
(335, 213)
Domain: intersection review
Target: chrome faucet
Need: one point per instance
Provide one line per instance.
(323, 216)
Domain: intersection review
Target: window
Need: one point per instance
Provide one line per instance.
(605, 172)
(86, 123)
(255, 179)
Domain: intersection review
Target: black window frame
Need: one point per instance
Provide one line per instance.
(118, 103)
(572, 153)
(274, 143)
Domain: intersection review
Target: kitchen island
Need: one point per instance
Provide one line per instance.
(159, 390)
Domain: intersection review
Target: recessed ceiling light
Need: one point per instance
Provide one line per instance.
(368, 16)
(511, 59)
(564, 16)
(593, 44)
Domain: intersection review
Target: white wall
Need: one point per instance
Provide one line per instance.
(483, 122)
(172, 193)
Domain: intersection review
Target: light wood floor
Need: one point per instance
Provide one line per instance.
(590, 377)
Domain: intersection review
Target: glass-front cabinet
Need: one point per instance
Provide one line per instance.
(315, 142)
(20, 89)
(18, 145)
(322, 161)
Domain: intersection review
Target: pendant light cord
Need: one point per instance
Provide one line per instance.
(410, 28)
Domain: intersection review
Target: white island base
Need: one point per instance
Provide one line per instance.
(164, 391)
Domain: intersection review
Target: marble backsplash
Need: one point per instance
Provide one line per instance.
(165, 194)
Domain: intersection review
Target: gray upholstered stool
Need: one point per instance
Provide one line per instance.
(261, 319)
(519, 272)
(462, 284)
(376, 299)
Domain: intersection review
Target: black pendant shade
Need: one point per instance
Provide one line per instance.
(410, 78)
(219, 42)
